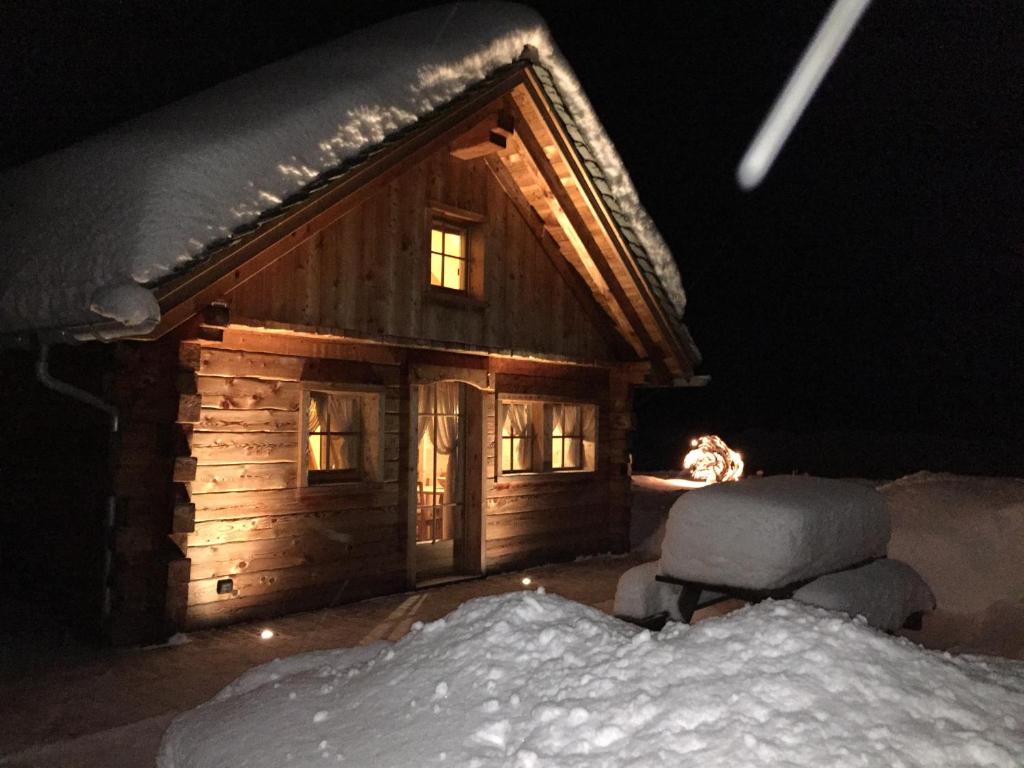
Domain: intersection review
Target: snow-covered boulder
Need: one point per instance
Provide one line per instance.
(638, 595)
(526, 680)
(764, 533)
(884, 592)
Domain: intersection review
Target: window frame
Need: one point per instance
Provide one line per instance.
(447, 227)
(443, 216)
(550, 436)
(371, 408)
(541, 450)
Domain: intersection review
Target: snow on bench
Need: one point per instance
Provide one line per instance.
(767, 533)
(886, 593)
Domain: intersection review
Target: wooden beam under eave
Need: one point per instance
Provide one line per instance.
(488, 137)
(558, 203)
(681, 359)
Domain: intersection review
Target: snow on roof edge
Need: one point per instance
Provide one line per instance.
(81, 227)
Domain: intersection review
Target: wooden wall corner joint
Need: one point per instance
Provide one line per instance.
(184, 469)
(189, 409)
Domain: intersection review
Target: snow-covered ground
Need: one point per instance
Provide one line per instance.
(529, 680)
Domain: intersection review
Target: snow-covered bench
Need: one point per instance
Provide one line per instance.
(889, 594)
(767, 538)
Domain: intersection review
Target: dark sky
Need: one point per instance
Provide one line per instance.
(870, 293)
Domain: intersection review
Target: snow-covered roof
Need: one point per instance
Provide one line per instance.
(88, 231)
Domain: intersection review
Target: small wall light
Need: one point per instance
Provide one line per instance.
(266, 633)
(527, 581)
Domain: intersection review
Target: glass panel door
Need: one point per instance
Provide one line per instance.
(440, 475)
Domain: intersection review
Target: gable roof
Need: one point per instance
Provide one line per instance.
(90, 233)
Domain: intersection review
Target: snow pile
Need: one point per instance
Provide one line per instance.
(81, 227)
(528, 680)
(763, 533)
(884, 592)
(639, 595)
(965, 535)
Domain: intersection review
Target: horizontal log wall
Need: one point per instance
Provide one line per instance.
(285, 547)
(546, 517)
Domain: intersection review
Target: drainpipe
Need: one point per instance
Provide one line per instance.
(109, 515)
(69, 390)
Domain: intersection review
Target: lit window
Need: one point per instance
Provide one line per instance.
(448, 258)
(566, 436)
(569, 432)
(516, 438)
(338, 436)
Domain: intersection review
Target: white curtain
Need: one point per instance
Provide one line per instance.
(589, 436)
(571, 426)
(517, 424)
(333, 413)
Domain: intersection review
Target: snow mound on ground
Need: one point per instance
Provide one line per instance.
(134, 204)
(529, 680)
(884, 592)
(639, 595)
(764, 533)
(965, 536)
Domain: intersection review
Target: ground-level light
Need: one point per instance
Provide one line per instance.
(266, 633)
(527, 581)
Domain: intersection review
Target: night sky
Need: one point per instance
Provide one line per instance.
(861, 312)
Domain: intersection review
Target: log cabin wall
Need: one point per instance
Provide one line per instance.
(284, 546)
(545, 517)
(367, 274)
(143, 469)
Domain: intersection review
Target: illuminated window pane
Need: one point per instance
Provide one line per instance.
(436, 262)
(556, 453)
(453, 244)
(448, 258)
(335, 442)
(453, 273)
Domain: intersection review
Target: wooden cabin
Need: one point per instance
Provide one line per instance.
(421, 370)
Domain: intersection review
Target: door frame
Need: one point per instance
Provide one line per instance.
(480, 384)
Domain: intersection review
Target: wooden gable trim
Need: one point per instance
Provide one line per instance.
(597, 314)
(182, 297)
(563, 214)
(680, 359)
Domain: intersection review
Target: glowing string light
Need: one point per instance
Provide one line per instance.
(712, 461)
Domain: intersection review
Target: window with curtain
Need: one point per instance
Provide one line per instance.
(448, 256)
(539, 436)
(566, 436)
(334, 447)
(517, 433)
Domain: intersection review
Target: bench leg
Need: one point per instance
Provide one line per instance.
(914, 622)
(688, 600)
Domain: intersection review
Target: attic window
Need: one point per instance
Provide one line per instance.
(448, 257)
